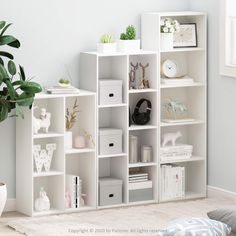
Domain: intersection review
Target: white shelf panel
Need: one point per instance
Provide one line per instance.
(143, 202)
(188, 196)
(192, 159)
(48, 135)
(184, 50)
(142, 127)
(113, 206)
(138, 52)
(114, 105)
(50, 212)
(134, 91)
(83, 208)
(112, 155)
(195, 84)
(140, 164)
(78, 151)
(49, 173)
(195, 122)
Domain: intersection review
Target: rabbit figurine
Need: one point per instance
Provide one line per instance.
(42, 203)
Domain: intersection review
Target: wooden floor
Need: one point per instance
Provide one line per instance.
(220, 199)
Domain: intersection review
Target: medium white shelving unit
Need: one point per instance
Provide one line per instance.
(81, 162)
(193, 95)
(93, 67)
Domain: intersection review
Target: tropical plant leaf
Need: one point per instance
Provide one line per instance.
(18, 82)
(2, 24)
(31, 87)
(9, 40)
(3, 72)
(1, 61)
(11, 68)
(25, 99)
(6, 54)
(22, 73)
(3, 111)
(11, 89)
(5, 28)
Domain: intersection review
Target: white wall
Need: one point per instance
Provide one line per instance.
(222, 112)
(52, 35)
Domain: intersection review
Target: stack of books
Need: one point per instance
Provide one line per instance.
(61, 90)
(177, 81)
(74, 190)
(172, 182)
(141, 177)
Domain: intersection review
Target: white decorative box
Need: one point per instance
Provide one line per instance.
(128, 45)
(106, 48)
(110, 191)
(110, 141)
(177, 152)
(110, 91)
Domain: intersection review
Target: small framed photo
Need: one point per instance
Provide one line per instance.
(187, 36)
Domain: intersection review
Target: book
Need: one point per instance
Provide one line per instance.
(61, 90)
(177, 81)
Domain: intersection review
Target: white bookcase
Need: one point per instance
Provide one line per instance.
(87, 163)
(81, 162)
(193, 95)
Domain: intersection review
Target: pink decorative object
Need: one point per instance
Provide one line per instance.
(80, 142)
(68, 200)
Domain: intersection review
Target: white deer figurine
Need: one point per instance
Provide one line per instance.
(170, 137)
(44, 121)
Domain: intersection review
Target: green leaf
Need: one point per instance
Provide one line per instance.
(22, 73)
(31, 87)
(18, 82)
(11, 68)
(6, 54)
(1, 61)
(5, 28)
(3, 72)
(11, 89)
(10, 41)
(2, 24)
(25, 99)
(3, 112)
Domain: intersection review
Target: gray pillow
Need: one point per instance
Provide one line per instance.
(196, 227)
(226, 215)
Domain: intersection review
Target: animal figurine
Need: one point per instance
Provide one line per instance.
(144, 82)
(43, 122)
(42, 203)
(132, 75)
(170, 137)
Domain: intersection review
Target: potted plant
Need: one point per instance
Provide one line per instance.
(128, 41)
(107, 44)
(14, 92)
(71, 118)
(168, 28)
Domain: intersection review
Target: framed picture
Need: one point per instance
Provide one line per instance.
(187, 36)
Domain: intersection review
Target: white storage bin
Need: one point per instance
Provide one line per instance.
(110, 141)
(110, 91)
(110, 191)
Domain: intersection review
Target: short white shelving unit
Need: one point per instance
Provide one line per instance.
(193, 95)
(81, 162)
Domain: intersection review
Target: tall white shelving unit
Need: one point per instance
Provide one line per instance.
(87, 163)
(81, 162)
(93, 67)
(193, 95)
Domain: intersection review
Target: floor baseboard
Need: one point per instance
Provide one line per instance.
(10, 205)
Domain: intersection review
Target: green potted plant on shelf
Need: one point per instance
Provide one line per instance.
(14, 92)
(168, 27)
(128, 41)
(107, 44)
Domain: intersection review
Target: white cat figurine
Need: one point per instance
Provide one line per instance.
(170, 137)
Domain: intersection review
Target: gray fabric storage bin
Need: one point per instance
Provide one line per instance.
(110, 191)
(141, 195)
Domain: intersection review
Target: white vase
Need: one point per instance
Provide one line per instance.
(68, 140)
(106, 48)
(3, 197)
(129, 45)
(167, 40)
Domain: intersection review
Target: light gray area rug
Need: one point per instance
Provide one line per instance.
(138, 220)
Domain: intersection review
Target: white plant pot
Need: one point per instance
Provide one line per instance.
(3, 197)
(129, 45)
(167, 40)
(106, 48)
(68, 140)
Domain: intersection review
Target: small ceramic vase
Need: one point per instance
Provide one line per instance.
(80, 142)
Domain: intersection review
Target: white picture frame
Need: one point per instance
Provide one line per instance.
(186, 37)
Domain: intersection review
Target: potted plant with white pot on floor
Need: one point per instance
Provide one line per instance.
(14, 92)
(107, 44)
(128, 41)
(168, 28)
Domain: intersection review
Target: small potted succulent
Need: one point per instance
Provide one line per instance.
(128, 41)
(107, 44)
(168, 27)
